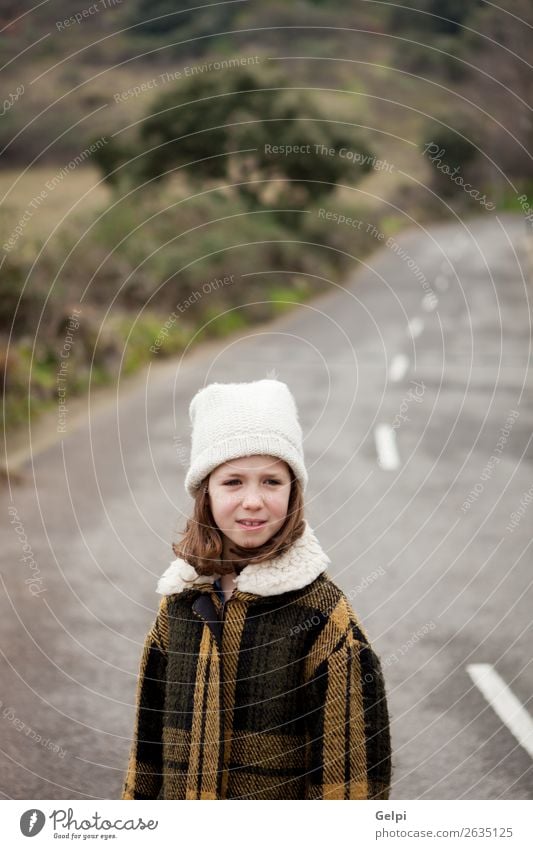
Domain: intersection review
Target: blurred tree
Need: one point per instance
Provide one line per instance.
(269, 141)
(435, 16)
(111, 158)
(159, 16)
(501, 78)
(431, 36)
(450, 153)
(184, 17)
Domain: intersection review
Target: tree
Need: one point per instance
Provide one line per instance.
(180, 17)
(501, 80)
(451, 153)
(433, 16)
(231, 127)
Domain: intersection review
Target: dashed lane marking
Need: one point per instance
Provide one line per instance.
(415, 327)
(387, 451)
(504, 703)
(398, 367)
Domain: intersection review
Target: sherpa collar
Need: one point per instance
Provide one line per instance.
(297, 567)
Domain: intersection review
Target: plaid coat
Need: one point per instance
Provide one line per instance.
(276, 694)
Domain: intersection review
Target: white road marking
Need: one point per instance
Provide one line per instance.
(398, 367)
(504, 702)
(385, 438)
(429, 302)
(415, 327)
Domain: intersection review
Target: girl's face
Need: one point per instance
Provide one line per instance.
(249, 490)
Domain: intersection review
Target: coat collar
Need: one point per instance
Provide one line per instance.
(297, 567)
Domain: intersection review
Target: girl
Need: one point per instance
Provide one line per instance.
(257, 679)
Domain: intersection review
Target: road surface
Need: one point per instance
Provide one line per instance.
(414, 390)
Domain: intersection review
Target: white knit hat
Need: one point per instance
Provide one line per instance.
(231, 420)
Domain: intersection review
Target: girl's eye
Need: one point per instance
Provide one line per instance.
(236, 480)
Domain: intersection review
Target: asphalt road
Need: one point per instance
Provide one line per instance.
(409, 378)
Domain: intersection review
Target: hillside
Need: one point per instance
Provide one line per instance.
(89, 214)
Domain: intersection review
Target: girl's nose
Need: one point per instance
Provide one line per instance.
(251, 499)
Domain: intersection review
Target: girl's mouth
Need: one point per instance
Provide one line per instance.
(251, 524)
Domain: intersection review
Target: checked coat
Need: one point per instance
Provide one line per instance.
(276, 694)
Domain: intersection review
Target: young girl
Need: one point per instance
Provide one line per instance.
(257, 679)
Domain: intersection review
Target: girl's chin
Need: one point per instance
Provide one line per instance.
(249, 540)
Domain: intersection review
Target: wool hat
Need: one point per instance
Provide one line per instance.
(231, 420)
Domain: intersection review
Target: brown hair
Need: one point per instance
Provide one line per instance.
(202, 541)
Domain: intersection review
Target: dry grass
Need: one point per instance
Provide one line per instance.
(17, 189)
